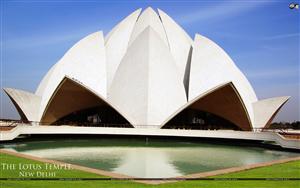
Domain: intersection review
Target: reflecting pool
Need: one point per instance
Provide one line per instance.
(151, 158)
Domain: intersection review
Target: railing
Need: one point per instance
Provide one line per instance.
(13, 123)
(10, 122)
(280, 130)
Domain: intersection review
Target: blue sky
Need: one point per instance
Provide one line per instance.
(262, 37)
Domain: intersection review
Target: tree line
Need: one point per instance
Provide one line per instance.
(285, 125)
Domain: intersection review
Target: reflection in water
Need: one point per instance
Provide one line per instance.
(156, 159)
(148, 163)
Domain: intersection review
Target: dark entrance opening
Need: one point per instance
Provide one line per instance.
(102, 116)
(201, 120)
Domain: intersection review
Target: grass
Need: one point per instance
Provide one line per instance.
(284, 170)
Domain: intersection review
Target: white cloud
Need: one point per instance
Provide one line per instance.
(39, 41)
(46, 39)
(282, 36)
(273, 73)
(218, 11)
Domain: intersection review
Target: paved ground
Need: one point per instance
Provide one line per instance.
(22, 129)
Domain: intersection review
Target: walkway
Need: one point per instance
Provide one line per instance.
(227, 134)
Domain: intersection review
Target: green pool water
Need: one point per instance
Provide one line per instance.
(151, 158)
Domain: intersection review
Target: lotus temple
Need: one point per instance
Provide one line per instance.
(146, 75)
